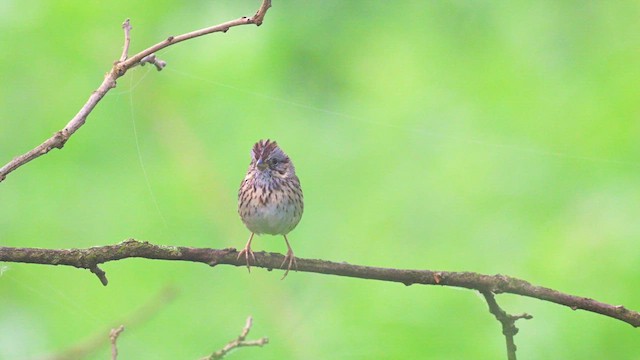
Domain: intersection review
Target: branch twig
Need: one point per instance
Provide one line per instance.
(509, 329)
(238, 342)
(118, 70)
(113, 336)
(126, 26)
(89, 258)
(152, 59)
(95, 342)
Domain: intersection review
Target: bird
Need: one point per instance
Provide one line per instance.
(270, 199)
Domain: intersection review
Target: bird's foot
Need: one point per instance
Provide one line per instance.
(247, 252)
(292, 261)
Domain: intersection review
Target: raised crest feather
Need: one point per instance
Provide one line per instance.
(263, 148)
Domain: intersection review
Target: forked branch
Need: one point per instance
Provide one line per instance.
(508, 322)
(240, 341)
(120, 67)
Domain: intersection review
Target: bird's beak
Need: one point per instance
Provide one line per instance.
(261, 165)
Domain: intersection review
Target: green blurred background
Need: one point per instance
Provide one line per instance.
(496, 137)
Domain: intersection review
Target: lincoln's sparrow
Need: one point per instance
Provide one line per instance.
(270, 198)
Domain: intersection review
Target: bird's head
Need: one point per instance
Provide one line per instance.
(267, 156)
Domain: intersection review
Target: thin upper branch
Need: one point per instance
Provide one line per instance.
(120, 68)
(89, 259)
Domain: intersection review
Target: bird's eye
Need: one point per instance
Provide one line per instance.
(273, 162)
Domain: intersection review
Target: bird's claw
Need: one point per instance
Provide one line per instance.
(247, 252)
(292, 261)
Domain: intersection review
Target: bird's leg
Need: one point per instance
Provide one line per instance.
(247, 252)
(290, 256)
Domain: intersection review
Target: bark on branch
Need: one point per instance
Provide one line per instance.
(120, 67)
(90, 258)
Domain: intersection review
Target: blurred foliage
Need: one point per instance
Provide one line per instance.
(497, 137)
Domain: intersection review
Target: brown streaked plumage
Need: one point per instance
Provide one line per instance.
(270, 199)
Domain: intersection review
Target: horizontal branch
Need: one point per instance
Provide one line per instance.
(120, 67)
(90, 258)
